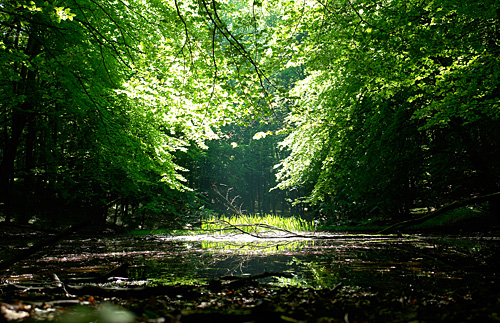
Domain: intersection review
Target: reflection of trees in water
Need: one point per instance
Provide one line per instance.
(259, 246)
(253, 257)
(359, 261)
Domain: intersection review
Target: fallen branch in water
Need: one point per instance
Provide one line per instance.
(90, 290)
(240, 228)
(258, 276)
(23, 254)
(119, 271)
(242, 281)
(57, 286)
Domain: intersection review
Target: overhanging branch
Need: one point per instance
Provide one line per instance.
(449, 207)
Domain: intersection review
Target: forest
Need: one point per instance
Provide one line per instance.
(151, 110)
(348, 115)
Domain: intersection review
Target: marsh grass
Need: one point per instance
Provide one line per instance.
(253, 223)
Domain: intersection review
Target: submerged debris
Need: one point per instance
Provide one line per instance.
(253, 302)
(358, 278)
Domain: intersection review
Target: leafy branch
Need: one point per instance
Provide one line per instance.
(240, 48)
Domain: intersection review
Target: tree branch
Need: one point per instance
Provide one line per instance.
(449, 207)
(219, 24)
(43, 243)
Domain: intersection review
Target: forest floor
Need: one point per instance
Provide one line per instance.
(239, 300)
(252, 302)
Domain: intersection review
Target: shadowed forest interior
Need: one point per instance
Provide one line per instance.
(272, 119)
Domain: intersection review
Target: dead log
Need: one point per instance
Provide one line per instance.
(119, 271)
(449, 207)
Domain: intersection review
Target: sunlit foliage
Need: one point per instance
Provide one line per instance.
(107, 105)
(99, 97)
(400, 106)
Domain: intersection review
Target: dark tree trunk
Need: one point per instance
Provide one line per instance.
(26, 211)
(115, 216)
(7, 165)
(19, 119)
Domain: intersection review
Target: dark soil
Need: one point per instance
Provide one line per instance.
(253, 303)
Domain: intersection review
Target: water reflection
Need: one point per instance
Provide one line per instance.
(376, 261)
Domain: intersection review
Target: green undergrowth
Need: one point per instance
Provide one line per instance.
(451, 218)
(460, 218)
(253, 223)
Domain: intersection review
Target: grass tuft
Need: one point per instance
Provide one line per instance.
(246, 222)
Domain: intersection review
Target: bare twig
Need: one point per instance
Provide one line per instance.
(228, 203)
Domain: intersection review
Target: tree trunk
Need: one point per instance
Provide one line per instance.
(19, 119)
(26, 211)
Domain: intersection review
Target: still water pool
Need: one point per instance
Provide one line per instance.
(413, 262)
